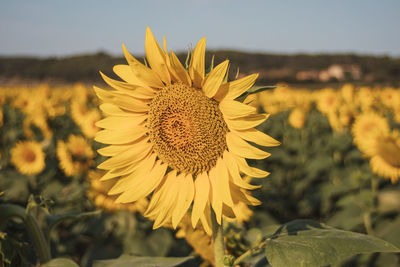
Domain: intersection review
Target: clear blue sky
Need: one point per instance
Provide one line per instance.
(61, 28)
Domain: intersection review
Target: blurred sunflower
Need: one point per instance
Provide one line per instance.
(88, 124)
(297, 118)
(365, 98)
(98, 193)
(366, 128)
(78, 110)
(199, 240)
(1, 117)
(38, 120)
(24, 101)
(386, 158)
(327, 100)
(179, 135)
(75, 156)
(347, 92)
(388, 96)
(28, 157)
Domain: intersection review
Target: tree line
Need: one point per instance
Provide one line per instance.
(85, 68)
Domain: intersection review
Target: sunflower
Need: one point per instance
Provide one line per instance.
(179, 135)
(28, 157)
(297, 118)
(75, 156)
(386, 158)
(347, 93)
(366, 128)
(88, 125)
(1, 117)
(327, 100)
(365, 98)
(78, 111)
(39, 121)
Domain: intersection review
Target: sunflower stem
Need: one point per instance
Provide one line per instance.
(40, 244)
(218, 238)
(250, 252)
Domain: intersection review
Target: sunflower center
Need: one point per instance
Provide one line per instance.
(389, 150)
(186, 128)
(29, 155)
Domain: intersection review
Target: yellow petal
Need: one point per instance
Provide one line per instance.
(123, 86)
(247, 122)
(233, 169)
(168, 202)
(228, 211)
(123, 171)
(235, 88)
(185, 198)
(144, 188)
(111, 174)
(138, 91)
(141, 72)
(113, 110)
(252, 200)
(165, 45)
(202, 185)
(126, 74)
(130, 156)
(241, 148)
(243, 196)
(205, 219)
(180, 70)
(216, 201)
(222, 183)
(119, 137)
(197, 63)
(155, 199)
(115, 123)
(257, 137)
(214, 79)
(129, 181)
(250, 171)
(122, 100)
(233, 109)
(156, 57)
(113, 150)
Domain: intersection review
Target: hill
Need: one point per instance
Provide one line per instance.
(298, 68)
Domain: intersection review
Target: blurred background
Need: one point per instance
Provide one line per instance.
(337, 117)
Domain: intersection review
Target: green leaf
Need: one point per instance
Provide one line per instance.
(259, 89)
(256, 89)
(309, 243)
(128, 260)
(53, 220)
(60, 262)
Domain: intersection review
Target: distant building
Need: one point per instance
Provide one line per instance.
(307, 75)
(335, 71)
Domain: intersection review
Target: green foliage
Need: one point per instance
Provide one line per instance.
(316, 173)
(60, 262)
(127, 260)
(308, 243)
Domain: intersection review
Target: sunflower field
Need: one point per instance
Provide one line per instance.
(176, 166)
(338, 163)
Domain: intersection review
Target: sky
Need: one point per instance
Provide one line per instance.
(48, 28)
